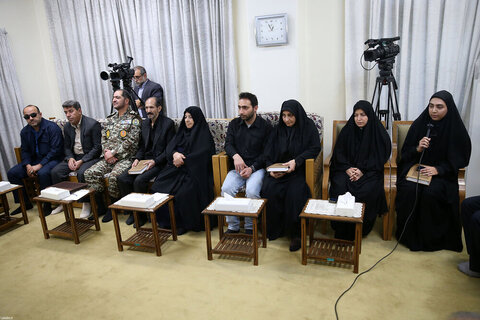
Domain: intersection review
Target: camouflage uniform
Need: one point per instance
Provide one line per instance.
(120, 135)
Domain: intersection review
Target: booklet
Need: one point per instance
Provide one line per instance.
(141, 167)
(414, 175)
(277, 167)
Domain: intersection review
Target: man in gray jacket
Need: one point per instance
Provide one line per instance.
(82, 147)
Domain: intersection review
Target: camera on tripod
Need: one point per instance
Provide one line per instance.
(386, 49)
(120, 71)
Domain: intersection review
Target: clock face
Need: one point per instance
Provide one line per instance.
(271, 30)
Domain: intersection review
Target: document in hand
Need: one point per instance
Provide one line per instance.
(140, 168)
(277, 167)
(414, 176)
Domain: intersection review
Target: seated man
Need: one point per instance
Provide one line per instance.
(157, 131)
(245, 142)
(471, 227)
(82, 148)
(119, 143)
(41, 149)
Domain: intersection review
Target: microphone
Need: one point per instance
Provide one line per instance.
(429, 127)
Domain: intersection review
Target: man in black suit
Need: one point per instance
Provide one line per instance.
(157, 131)
(145, 89)
(82, 147)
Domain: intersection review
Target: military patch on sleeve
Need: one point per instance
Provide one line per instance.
(108, 134)
(136, 122)
(123, 133)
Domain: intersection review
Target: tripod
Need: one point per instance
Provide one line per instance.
(386, 78)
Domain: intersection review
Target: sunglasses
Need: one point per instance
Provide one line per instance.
(27, 116)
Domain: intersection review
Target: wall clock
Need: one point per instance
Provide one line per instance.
(271, 30)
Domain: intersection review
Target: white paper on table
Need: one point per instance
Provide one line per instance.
(77, 195)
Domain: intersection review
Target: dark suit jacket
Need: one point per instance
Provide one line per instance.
(91, 139)
(164, 132)
(50, 141)
(151, 89)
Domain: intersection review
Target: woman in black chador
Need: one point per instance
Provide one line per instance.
(292, 141)
(435, 222)
(188, 174)
(361, 150)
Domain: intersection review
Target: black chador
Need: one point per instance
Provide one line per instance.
(191, 183)
(435, 222)
(287, 195)
(366, 148)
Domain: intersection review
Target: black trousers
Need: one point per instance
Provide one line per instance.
(471, 226)
(128, 183)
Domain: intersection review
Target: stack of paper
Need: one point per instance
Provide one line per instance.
(5, 185)
(54, 193)
(137, 200)
(229, 203)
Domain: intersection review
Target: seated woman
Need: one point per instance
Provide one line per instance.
(292, 141)
(188, 174)
(361, 150)
(428, 218)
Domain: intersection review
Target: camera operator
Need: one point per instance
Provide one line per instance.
(145, 89)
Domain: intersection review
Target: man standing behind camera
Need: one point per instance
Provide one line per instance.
(145, 89)
(82, 148)
(157, 131)
(42, 149)
(119, 142)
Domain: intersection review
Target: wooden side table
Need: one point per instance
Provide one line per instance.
(73, 227)
(332, 250)
(146, 237)
(6, 221)
(237, 244)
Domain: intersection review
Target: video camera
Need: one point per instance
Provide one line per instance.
(120, 71)
(386, 49)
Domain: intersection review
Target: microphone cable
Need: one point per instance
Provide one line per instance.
(401, 234)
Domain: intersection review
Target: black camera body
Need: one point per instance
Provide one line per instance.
(385, 49)
(119, 72)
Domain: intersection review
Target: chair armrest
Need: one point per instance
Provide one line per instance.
(461, 184)
(326, 175)
(18, 154)
(217, 175)
(310, 175)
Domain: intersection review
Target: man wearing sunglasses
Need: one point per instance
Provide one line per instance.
(145, 89)
(41, 150)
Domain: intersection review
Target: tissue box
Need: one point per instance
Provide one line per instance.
(54, 193)
(137, 200)
(233, 204)
(345, 205)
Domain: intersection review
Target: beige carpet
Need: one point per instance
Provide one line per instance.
(56, 279)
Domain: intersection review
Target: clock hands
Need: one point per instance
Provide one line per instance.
(270, 26)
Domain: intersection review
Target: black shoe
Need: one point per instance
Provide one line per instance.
(108, 216)
(249, 231)
(295, 244)
(130, 219)
(141, 220)
(28, 206)
(47, 208)
(232, 231)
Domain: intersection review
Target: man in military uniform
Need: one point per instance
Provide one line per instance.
(120, 139)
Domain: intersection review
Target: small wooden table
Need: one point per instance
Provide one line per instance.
(146, 237)
(6, 221)
(332, 250)
(73, 227)
(237, 244)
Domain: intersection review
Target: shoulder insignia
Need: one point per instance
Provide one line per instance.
(123, 133)
(136, 122)
(108, 134)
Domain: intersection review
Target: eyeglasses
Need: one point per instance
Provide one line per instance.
(27, 116)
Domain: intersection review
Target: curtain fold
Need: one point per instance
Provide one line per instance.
(185, 45)
(11, 106)
(440, 42)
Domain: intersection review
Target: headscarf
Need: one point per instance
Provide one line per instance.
(291, 142)
(366, 148)
(450, 146)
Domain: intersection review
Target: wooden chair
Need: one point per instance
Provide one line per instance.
(337, 127)
(399, 133)
(31, 185)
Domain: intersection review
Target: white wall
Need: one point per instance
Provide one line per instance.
(26, 24)
(310, 68)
